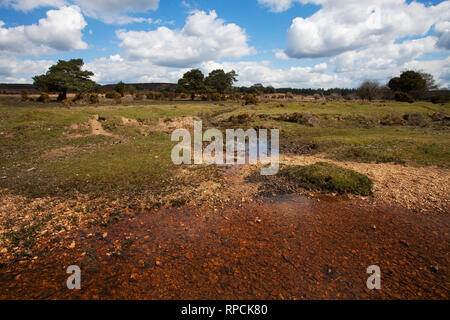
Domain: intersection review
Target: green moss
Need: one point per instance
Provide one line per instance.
(328, 177)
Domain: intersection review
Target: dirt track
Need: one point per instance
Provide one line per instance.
(288, 247)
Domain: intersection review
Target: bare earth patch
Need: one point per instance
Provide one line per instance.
(168, 125)
(424, 190)
(95, 129)
(59, 153)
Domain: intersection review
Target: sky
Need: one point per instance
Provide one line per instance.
(283, 43)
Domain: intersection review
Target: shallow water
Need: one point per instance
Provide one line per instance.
(286, 247)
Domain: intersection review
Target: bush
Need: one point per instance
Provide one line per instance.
(439, 98)
(24, 95)
(44, 97)
(67, 102)
(251, 99)
(328, 177)
(403, 97)
(139, 96)
(215, 97)
(415, 119)
(93, 98)
(113, 95)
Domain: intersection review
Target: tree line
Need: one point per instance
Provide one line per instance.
(69, 76)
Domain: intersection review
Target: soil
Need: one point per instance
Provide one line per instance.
(283, 247)
(95, 129)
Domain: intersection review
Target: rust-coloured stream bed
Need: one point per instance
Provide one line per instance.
(289, 247)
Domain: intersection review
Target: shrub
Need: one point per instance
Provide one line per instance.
(415, 119)
(439, 98)
(168, 95)
(243, 118)
(251, 99)
(67, 102)
(24, 95)
(78, 96)
(44, 97)
(118, 100)
(154, 96)
(139, 96)
(113, 95)
(93, 98)
(403, 97)
(328, 177)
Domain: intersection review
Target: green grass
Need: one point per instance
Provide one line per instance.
(134, 163)
(328, 177)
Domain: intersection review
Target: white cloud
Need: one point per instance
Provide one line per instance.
(27, 5)
(112, 11)
(442, 29)
(251, 72)
(115, 69)
(203, 38)
(59, 31)
(109, 11)
(277, 5)
(345, 25)
(382, 63)
(13, 70)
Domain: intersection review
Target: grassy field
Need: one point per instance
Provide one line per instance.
(56, 174)
(38, 158)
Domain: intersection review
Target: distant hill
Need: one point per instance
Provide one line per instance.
(16, 88)
(145, 86)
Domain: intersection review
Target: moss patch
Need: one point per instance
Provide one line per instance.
(328, 177)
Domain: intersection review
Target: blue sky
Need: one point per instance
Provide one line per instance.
(295, 43)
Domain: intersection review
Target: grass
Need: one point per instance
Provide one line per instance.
(328, 177)
(134, 163)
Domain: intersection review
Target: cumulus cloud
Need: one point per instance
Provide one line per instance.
(251, 72)
(113, 11)
(27, 5)
(115, 69)
(204, 37)
(381, 62)
(442, 29)
(277, 5)
(13, 70)
(109, 11)
(344, 25)
(59, 31)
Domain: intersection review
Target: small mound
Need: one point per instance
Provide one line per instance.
(328, 177)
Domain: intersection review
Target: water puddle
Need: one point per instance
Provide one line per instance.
(287, 247)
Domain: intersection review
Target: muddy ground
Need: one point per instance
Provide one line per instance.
(248, 247)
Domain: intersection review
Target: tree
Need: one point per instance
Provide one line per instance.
(413, 82)
(430, 83)
(66, 76)
(220, 81)
(368, 90)
(121, 88)
(192, 82)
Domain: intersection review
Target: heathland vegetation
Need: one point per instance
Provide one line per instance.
(74, 143)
